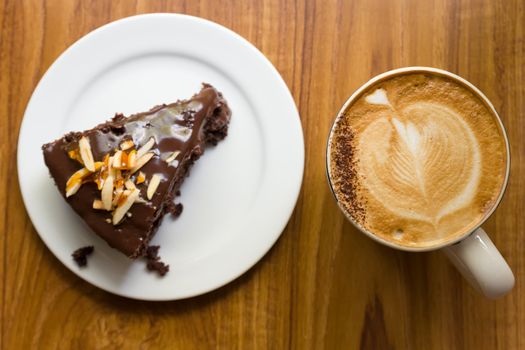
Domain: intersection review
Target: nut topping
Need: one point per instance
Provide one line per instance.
(116, 197)
(124, 206)
(129, 185)
(172, 157)
(127, 145)
(107, 192)
(140, 200)
(85, 153)
(73, 188)
(146, 147)
(75, 181)
(153, 184)
(113, 176)
(73, 154)
(141, 178)
(117, 159)
(97, 204)
(132, 159)
(142, 161)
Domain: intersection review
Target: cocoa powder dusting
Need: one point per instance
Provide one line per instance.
(344, 171)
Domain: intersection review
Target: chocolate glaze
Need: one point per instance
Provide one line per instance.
(185, 126)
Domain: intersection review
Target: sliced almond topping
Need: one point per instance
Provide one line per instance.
(118, 176)
(141, 161)
(107, 192)
(127, 145)
(97, 204)
(116, 196)
(132, 159)
(110, 163)
(85, 153)
(153, 184)
(141, 178)
(78, 176)
(124, 206)
(123, 197)
(118, 183)
(99, 181)
(140, 200)
(129, 184)
(73, 154)
(146, 147)
(72, 188)
(75, 181)
(112, 176)
(117, 157)
(124, 161)
(98, 165)
(172, 157)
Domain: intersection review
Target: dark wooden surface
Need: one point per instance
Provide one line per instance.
(323, 285)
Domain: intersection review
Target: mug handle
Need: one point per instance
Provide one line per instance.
(480, 262)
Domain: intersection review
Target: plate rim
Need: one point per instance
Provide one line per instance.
(246, 45)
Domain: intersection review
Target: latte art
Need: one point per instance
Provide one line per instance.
(405, 161)
(425, 161)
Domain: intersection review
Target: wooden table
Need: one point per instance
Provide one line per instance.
(323, 285)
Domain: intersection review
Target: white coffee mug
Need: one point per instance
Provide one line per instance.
(473, 253)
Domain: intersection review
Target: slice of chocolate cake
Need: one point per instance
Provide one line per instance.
(120, 176)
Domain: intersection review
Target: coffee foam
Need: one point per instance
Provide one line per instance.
(417, 159)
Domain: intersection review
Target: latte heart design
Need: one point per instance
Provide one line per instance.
(422, 162)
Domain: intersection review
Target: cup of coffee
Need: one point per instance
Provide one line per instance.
(418, 159)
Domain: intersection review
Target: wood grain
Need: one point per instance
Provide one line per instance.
(323, 285)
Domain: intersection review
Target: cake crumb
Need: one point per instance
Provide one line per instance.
(174, 209)
(159, 266)
(153, 261)
(170, 207)
(80, 255)
(152, 252)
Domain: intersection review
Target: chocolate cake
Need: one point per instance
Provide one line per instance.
(121, 176)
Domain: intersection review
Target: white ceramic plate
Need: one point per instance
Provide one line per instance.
(240, 194)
